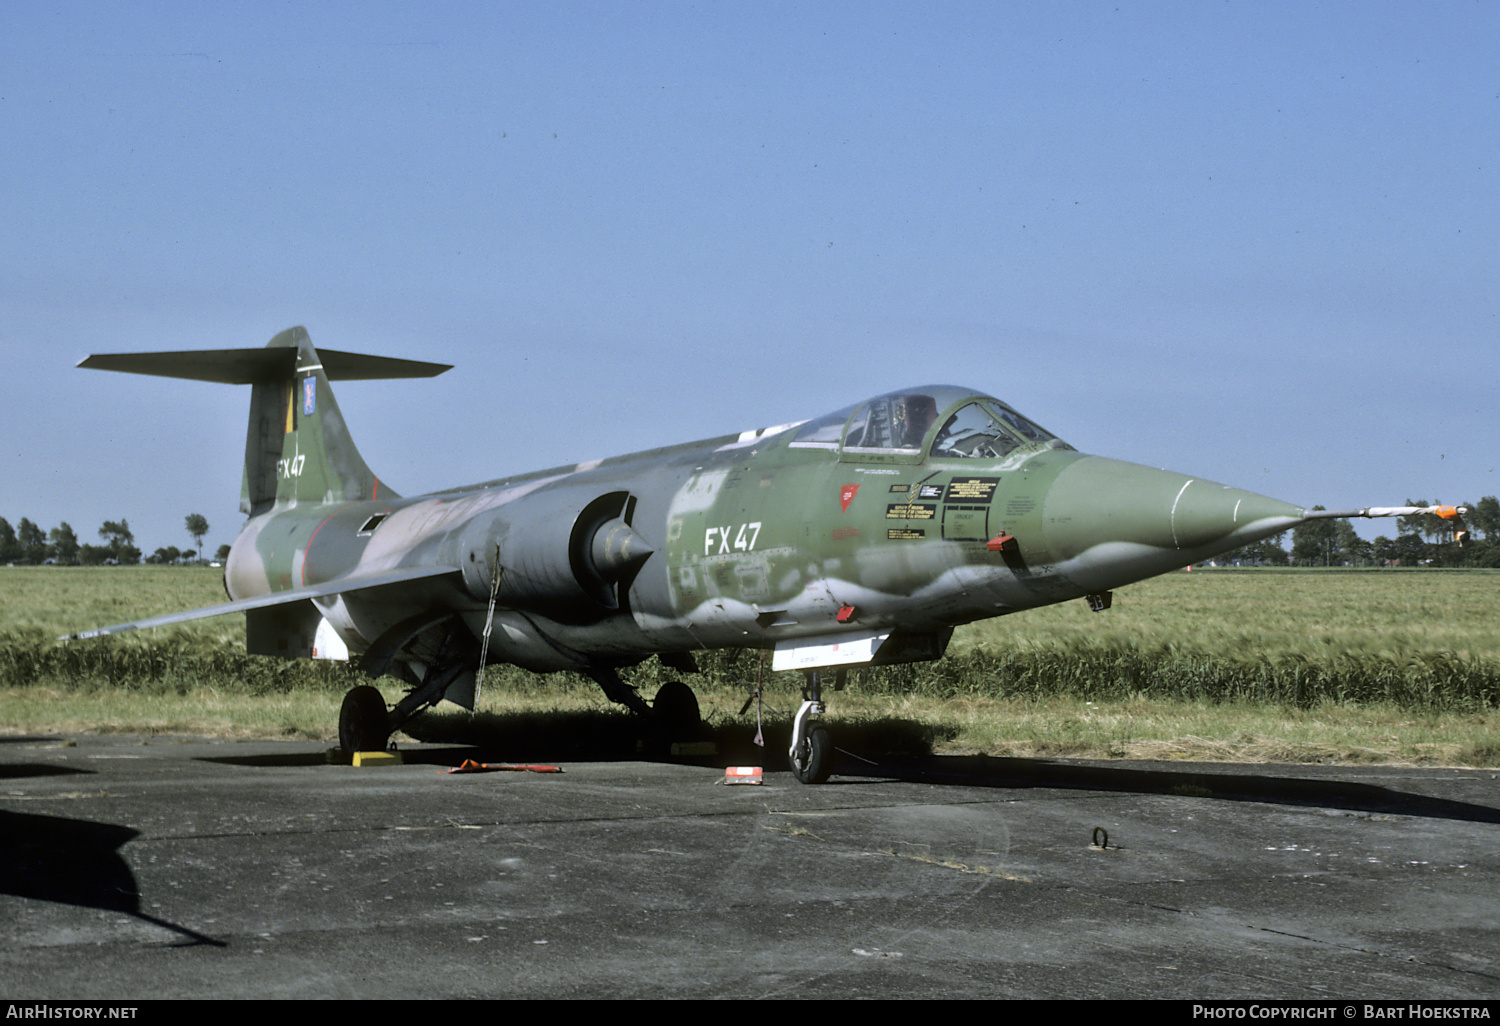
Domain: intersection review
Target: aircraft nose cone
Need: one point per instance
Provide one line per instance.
(1205, 513)
(1101, 512)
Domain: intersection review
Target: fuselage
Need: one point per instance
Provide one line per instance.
(916, 511)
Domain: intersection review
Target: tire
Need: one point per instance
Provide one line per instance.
(363, 721)
(812, 762)
(676, 711)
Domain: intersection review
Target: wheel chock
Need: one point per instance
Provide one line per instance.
(377, 759)
(742, 775)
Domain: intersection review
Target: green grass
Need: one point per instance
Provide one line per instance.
(63, 599)
(1311, 615)
(1264, 665)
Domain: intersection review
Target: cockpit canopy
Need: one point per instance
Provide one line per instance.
(948, 421)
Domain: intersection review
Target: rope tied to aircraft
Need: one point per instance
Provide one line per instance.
(489, 623)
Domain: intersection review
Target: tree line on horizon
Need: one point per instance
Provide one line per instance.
(27, 544)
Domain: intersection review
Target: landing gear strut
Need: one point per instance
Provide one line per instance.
(364, 723)
(811, 755)
(616, 690)
(672, 716)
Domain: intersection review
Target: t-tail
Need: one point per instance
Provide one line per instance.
(297, 446)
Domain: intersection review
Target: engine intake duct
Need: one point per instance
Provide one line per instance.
(566, 555)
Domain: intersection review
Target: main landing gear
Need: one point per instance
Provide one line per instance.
(364, 725)
(672, 716)
(676, 713)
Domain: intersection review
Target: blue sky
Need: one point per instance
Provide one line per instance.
(1253, 242)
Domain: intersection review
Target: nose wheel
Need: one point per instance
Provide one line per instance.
(811, 754)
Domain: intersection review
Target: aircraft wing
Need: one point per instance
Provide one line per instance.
(339, 585)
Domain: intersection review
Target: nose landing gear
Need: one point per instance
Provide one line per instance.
(811, 754)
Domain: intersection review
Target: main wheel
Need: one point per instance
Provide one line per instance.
(363, 721)
(813, 759)
(676, 711)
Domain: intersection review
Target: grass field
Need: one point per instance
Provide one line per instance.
(1277, 614)
(1262, 665)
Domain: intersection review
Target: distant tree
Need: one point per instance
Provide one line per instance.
(1316, 543)
(33, 542)
(1273, 551)
(1485, 516)
(169, 554)
(1417, 523)
(1356, 551)
(120, 541)
(222, 554)
(1412, 549)
(197, 526)
(1266, 552)
(64, 543)
(116, 533)
(1384, 550)
(10, 549)
(93, 555)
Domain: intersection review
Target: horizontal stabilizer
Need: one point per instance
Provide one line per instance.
(252, 366)
(337, 586)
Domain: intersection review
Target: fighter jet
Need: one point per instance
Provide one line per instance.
(861, 537)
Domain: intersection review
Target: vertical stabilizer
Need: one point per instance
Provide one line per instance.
(316, 460)
(297, 447)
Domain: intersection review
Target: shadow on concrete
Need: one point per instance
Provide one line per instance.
(609, 736)
(1277, 785)
(17, 772)
(75, 862)
(905, 753)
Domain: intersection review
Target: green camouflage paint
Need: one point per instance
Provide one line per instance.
(896, 518)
